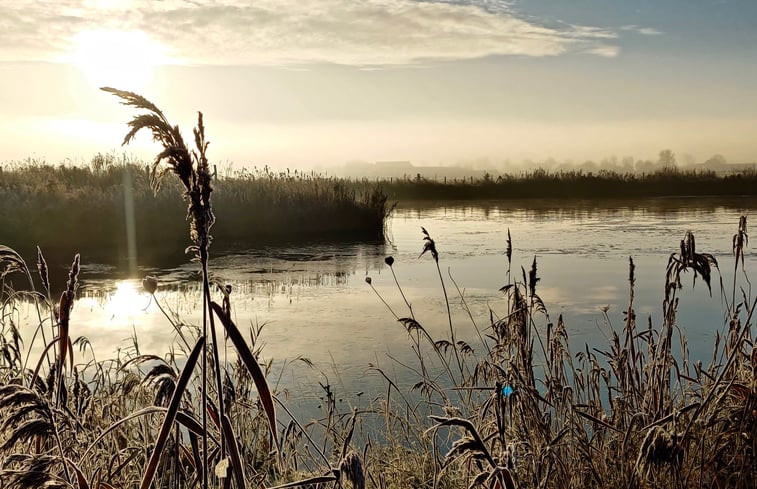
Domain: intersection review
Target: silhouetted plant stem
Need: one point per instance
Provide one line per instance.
(449, 319)
(204, 391)
(430, 246)
(468, 311)
(370, 283)
(216, 362)
(399, 287)
(417, 339)
(192, 169)
(172, 322)
(62, 453)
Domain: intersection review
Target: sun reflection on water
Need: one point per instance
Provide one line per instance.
(126, 301)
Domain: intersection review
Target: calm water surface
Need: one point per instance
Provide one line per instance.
(314, 302)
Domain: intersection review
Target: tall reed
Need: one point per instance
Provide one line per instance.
(193, 171)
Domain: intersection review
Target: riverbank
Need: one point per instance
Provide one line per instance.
(542, 184)
(106, 206)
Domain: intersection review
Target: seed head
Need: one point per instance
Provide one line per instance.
(150, 284)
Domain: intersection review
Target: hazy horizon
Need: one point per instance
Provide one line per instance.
(314, 84)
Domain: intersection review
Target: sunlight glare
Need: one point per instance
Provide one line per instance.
(121, 59)
(126, 300)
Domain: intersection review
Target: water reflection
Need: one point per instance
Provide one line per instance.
(314, 301)
(545, 208)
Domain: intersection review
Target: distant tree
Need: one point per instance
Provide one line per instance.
(550, 163)
(588, 166)
(609, 163)
(716, 161)
(644, 166)
(627, 163)
(667, 160)
(687, 160)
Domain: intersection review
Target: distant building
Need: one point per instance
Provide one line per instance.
(405, 169)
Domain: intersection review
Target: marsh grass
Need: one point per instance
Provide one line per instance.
(578, 184)
(258, 206)
(632, 414)
(514, 409)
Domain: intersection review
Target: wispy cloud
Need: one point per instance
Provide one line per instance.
(644, 31)
(367, 33)
(606, 51)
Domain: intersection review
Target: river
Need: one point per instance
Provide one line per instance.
(312, 299)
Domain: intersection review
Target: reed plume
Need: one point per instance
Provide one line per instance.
(191, 168)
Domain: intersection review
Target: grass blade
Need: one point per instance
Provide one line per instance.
(81, 481)
(266, 399)
(236, 458)
(321, 479)
(173, 409)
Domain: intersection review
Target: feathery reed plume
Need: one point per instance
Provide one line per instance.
(64, 316)
(509, 250)
(473, 446)
(26, 471)
(25, 413)
(190, 166)
(163, 377)
(351, 469)
(27, 417)
(740, 241)
(43, 270)
(689, 259)
(11, 262)
(430, 246)
(192, 169)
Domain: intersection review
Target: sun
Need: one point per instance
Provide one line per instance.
(126, 300)
(117, 58)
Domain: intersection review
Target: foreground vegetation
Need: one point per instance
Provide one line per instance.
(512, 408)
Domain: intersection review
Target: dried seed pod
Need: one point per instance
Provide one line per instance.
(150, 284)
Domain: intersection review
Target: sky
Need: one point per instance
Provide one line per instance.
(297, 83)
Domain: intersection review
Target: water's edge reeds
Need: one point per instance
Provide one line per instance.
(101, 202)
(577, 184)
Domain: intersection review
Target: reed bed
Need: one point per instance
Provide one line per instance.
(525, 411)
(259, 206)
(577, 184)
(501, 402)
